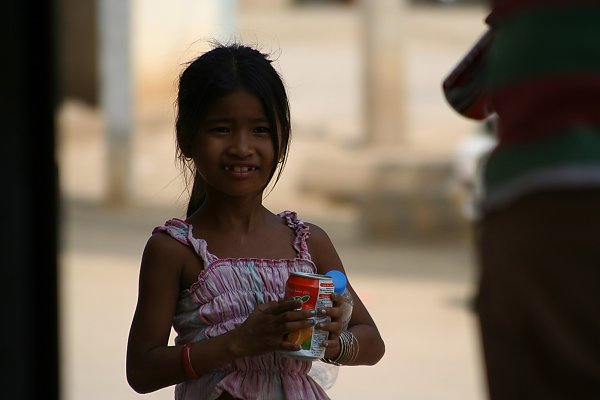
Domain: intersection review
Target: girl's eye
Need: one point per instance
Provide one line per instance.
(262, 130)
(219, 129)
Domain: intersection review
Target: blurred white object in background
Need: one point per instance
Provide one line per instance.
(470, 155)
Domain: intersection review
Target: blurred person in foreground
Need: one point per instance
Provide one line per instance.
(538, 236)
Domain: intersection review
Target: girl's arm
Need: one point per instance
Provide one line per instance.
(151, 363)
(361, 324)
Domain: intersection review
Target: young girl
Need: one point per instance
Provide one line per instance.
(219, 276)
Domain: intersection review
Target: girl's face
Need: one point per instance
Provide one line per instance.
(233, 150)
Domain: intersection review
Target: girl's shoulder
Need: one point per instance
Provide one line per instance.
(167, 239)
(168, 247)
(315, 232)
(290, 217)
(321, 249)
(172, 240)
(176, 228)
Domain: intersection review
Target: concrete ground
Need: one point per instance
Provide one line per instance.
(418, 293)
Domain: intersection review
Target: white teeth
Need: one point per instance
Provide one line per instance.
(239, 169)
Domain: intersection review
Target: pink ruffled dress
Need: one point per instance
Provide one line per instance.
(226, 292)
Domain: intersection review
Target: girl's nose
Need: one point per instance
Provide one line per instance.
(241, 144)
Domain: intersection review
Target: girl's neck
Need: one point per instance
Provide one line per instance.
(240, 215)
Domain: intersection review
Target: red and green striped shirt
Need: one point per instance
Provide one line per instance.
(543, 81)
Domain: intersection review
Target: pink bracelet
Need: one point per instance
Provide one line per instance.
(187, 362)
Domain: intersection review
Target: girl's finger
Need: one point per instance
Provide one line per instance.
(322, 311)
(334, 312)
(283, 306)
(298, 325)
(302, 315)
(333, 340)
(337, 299)
(332, 327)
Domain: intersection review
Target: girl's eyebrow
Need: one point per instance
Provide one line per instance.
(260, 120)
(219, 119)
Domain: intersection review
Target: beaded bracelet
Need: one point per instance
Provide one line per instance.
(348, 350)
(186, 359)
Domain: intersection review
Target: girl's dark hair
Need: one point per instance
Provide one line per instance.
(216, 73)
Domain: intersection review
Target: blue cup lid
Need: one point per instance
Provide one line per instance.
(339, 280)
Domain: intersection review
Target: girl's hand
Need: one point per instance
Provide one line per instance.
(265, 328)
(332, 344)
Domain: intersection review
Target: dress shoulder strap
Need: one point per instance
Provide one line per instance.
(183, 233)
(302, 233)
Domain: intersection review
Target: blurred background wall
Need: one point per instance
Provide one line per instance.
(377, 158)
(375, 137)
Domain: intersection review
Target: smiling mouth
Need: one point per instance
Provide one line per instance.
(232, 168)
